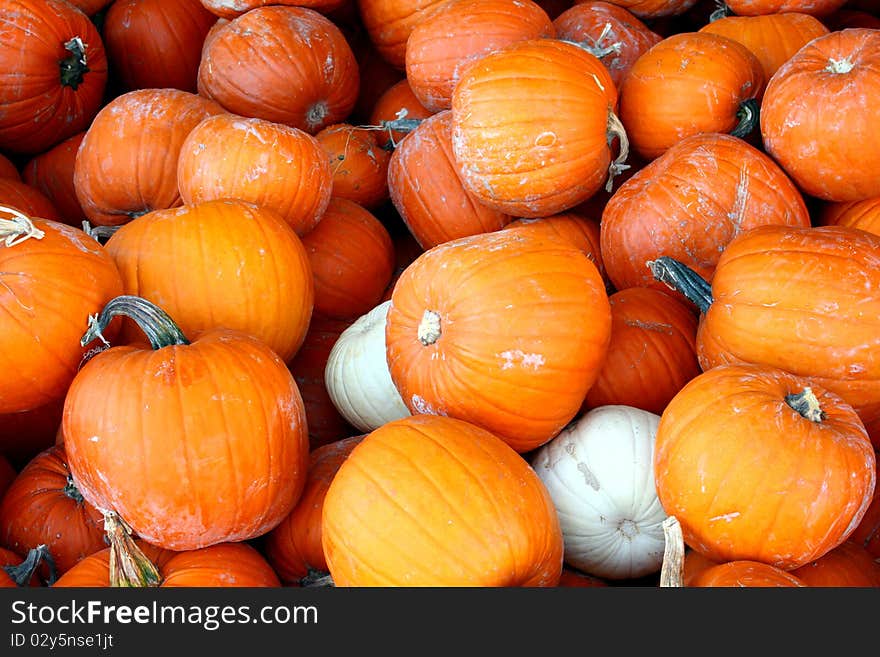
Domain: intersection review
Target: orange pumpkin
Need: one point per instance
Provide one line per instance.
(227, 9)
(127, 162)
(689, 203)
(55, 72)
(690, 83)
(390, 22)
(867, 534)
(358, 166)
(220, 263)
(759, 464)
(44, 507)
(384, 524)
(46, 307)
(27, 199)
(352, 259)
(652, 353)
(745, 573)
(24, 434)
(821, 79)
(855, 214)
(8, 169)
(51, 172)
(215, 429)
(609, 31)
(286, 64)
(849, 564)
(819, 8)
(505, 330)
(262, 162)
(653, 9)
(294, 547)
(443, 44)
(398, 105)
(7, 474)
(535, 146)
(427, 192)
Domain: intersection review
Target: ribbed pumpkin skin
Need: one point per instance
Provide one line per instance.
(855, 214)
(647, 9)
(390, 22)
(748, 477)
(386, 523)
(442, 45)
(688, 83)
(760, 7)
(46, 309)
(7, 474)
(689, 203)
(36, 115)
(358, 166)
(223, 565)
(821, 324)
(8, 169)
(774, 38)
(266, 163)
(233, 8)
(27, 200)
(524, 325)
(537, 145)
(601, 25)
(652, 353)
(51, 172)
(744, 573)
(127, 162)
(426, 191)
(285, 64)
(867, 534)
(219, 263)
(294, 547)
(38, 510)
(215, 430)
(836, 77)
(849, 564)
(351, 257)
(155, 44)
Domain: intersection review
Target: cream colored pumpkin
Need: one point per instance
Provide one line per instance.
(357, 376)
(599, 473)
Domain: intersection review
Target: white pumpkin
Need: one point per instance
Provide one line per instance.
(357, 376)
(599, 472)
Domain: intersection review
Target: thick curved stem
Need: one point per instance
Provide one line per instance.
(597, 47)
(616, 129)
(100, 233)
(681, 278)
(18, 228)
(22, 573)
(159, 328)
(71, 491)
(806, 404)
(721, 11)
(672, 570)
(75, 66)
(748, 115)
(129, 566)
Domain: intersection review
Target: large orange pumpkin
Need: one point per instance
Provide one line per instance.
(266, 163)
(532, 127)
(51, 172)
(284, 64)
(505, 330)
(54, 73)
(358, 166)
(220, 263)
(27, 199)
(745, 573)
(53, 278)
(832, 77)
(759, 464)
(849, 564)
(215, 430)
(804, 300)
(390, 22)
(435, 501)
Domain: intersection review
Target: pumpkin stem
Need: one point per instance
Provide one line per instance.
(806, 404)
(99, 233)
(721, 11)
(129, 566)
(681, 278)
(23, 572)
(672, 570)
(71, 491)
(159, 328)
(74, 67)
(429, 328)
(595, 46)
(748, 115)
(839, 66)
(316, 578)
(17, 229)
(398, 124)
(616, 129)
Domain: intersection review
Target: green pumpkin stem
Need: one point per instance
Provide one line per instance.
(806, 405)
(18, 228)
(71, 491)
(681, 278)
(74, 67)
(316, 579)
(721, 11)
(23, 572)
(159, 328)
(616, 129)
(99, 233)
(748, 115)
(596, 47)
(672, 568)
(129, 566)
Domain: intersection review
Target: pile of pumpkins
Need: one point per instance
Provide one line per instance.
(450, 293)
